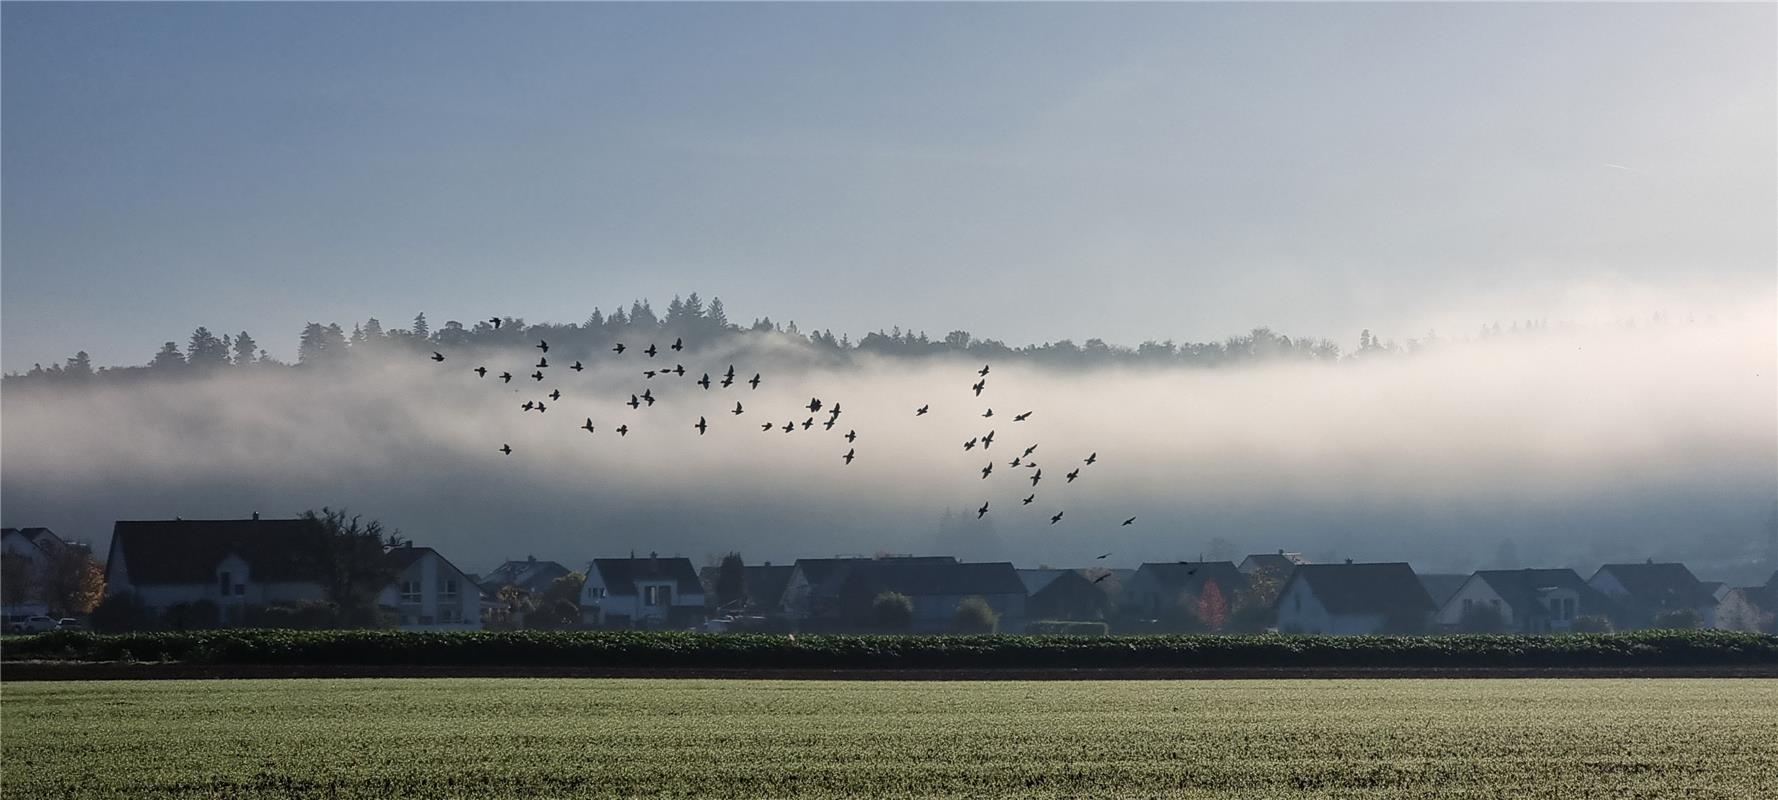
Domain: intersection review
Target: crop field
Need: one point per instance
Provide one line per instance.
(784, 739)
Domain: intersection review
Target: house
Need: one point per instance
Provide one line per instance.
(1160, 589)
(233, 563)
(429, 592)
(650, 592)
(1063, 594)
(1750, 608)
(530, 576)
(936, 589)
(1526, 600)
(30, 552)
(1441, 585)
(1279, 564)
(1642, 591)
(813, 589)
(762, 586)
(1353, 599)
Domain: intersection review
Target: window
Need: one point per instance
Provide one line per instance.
(595, 592)
(449, 592)
(410, 591)
(657, 596)
(449, 615)
(1468, 604)
(224, 580)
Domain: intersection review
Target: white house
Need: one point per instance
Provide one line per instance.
(233, 563)
(1353, 599)
(650, 592)
(430, 593)
(33, 548)
(1526, 600)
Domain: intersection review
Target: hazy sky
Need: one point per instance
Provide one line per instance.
(1026, 172)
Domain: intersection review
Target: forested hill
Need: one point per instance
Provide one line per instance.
(701, 326)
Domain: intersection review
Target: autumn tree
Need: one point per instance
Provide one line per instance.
(1213, 610)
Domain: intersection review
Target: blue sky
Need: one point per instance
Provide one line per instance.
(1025, 172)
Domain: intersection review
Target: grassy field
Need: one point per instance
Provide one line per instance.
(690, 738)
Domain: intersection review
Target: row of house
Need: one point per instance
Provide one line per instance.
(239, 565)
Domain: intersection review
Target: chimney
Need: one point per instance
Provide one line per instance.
(1280, 551)
(256, 516)
(1348, 560)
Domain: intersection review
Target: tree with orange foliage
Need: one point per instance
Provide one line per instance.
(1213, 611)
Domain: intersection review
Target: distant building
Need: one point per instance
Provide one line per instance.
(233, 563)
(651, 592)
(1526, 600)
(1063, 594)
(34, 549)
(813, 589)
(1440, 585)
(1750, 608)
(529, 576)
(430, 593)
(1643, 591)
(1353, 599)
(936, 589)
(762, 586)
(1159, 588)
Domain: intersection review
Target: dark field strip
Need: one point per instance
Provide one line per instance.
(799, 739)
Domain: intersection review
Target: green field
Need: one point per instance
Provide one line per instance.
(516, 738)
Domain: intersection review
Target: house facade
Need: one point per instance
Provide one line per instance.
(1353, 599)
(233, 563)
(1643, 591)
(32, 550)
(430, 593)
(652, 592)
(1525, 600)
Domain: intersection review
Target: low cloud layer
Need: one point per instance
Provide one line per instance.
(1563, 447)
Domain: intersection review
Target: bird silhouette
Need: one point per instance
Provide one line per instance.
(506, 448)
(766, 427)
(828, 425)
(731, 372)
(541, 407)
(537, 375)
(437, 356)
(728, 381)
(648, 373)
(984, 371)
(790, 426)
(1101, 578)
(618, 348)
(1092, 458)
(851, 436)
(650, 351)
(1057, 518)
(623, 430)
(481, 372)
(634, 402)
(755, 381)
(988, 413)
(705, 381)
(921, 411)
(588, 427)
(814, 404)
(543, 363)
(969, 445)
(496, 321)
(506, 377)
(555, 394)
(1130, 521)
(1103, 556)
(1030, 450)
(835, 411)
(1072, 475)
(543, 345)
(979, 386)
(808, 423)
(1030, 464)
(1022, 417)
(850, 454)
(1014, 462)
(1027, 500)
(678, 344)
(701, 426)
(987, 470)
(577, 367)
(648, 396)
(988, 441)
(983, 511)
(737, 411)
(528, 405)
(679, 369)
(1036, 476)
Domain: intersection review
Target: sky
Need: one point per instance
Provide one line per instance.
(1025, 172)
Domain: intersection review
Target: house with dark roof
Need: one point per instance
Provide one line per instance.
(1526, 600)
(762, 587)
(1159, 589)
(530, 576)
(1279, 564)
(1353, 599)
(429, 592)
(233, 563)
(1642, 591)
(1063, 594)
(936, 589)
(1441, 585)
(1750, 608)
(813, 589)
(34, 549)
(650, 592)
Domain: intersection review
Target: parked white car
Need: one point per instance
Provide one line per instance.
(36, 623)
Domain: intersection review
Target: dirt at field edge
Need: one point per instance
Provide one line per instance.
(71, 671)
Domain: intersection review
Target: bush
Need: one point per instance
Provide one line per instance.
(892, 611)
(1678, 619)
(195, 615)
(974, 615)
(1591, 623)
(1063, 627)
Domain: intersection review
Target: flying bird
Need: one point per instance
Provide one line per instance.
(1057, 518)
(1072, 475)
(1092, 458)
(618, 348)
(988, 441)
(987, 470)
(1036, 476)
(496, 321)
(705, 381)
(828, 425)
(437, 356)
(678, 344)
(1014, 463)
(988, 413)
(1022, 417)
(730, 373)
(528, 405)
(648, 396)
(766, 427)
(1103, 556)
(541, 407)
(808, 423)
(814, 404)
(679, 369)
(983, 511)
(556, 394)
(984, 371)
(648, 373)
(701, 426)
(634, 403)
(543, 363)
(506, 377)
(1030, 450)
(728, 381)
(588, 427)
(755, 381)
(921, 411)
(481, 372)
(850, 454)
(969, 445)
(1027, 500)
(543, 345)
(737, 411)
(1130, 521)
(979, 386)
(623, 430)
(1102, 577)
(577, 367)
(651, 351)
(851, 436)
(506, 448)
(790, 426)
(537, 375)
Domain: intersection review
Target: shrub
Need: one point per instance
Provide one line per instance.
(892, 611)
(974, 615)
(195, 615)
(1063, 627)
(1678, 619)
(1591, 623)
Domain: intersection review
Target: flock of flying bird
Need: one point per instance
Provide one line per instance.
(815, 405)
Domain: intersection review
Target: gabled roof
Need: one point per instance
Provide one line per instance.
(764, 584)
(530, 575)
(1191, 576)
(619, 575)
(1279, 563)
(1036, 580)
(1362, 588)
(825, 575)
(1519, 588)
(188, 551)
(1440, 586)
(943, 579)
(1667, 585)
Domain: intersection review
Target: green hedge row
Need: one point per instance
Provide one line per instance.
(650, 649)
